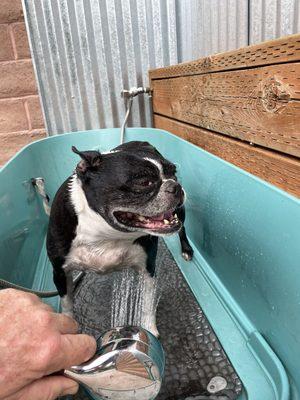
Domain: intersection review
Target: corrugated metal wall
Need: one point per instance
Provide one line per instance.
(270, 19)
(213, 26)
(210, 26)
(86, 51)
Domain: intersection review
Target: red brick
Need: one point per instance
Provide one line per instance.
(12, 142)
(35, 112)
(17, 79)
(11, 11)
(21, 40)
(12, 116)
(6, 49)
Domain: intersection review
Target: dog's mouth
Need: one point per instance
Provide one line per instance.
(161, 223)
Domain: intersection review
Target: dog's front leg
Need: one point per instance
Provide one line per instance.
(186, 249)
(67, 298)
(150, 302)
(64, 284)
(149, 299)
(148, 246)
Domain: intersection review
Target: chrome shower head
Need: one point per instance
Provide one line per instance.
(128, 365)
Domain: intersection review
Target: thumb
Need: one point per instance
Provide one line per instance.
(48, 388)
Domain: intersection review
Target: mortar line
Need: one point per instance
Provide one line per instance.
(13, 42)
(27, 115)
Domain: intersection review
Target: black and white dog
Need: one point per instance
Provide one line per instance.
(109, 213)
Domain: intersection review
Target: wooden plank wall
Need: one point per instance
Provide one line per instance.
(243, 106)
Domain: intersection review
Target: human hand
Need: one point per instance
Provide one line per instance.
(34, 343)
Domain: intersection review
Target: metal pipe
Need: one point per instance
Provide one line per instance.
(129, 95)
(129, 106)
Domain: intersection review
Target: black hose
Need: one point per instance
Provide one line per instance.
(8, 285)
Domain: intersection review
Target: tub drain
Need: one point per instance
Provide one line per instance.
(216, 384)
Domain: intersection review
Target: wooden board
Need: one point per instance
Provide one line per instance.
(286, 49)
(258, 105)
(243, 106)
(278, 169)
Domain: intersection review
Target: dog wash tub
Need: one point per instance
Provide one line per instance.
(245, 273)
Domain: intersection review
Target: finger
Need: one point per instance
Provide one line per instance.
(37, 305)
(75, 349)
(44, 306)
(66, 324)
(48, 388)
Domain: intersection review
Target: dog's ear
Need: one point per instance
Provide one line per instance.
(90, 160)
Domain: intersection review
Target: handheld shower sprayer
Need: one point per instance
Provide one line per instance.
(128, 365)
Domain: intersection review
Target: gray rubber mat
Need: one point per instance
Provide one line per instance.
(193, 353)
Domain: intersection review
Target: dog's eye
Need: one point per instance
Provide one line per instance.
(144, 182)
(140, 182)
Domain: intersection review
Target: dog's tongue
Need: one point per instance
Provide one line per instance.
(162, 216)
(159, 217)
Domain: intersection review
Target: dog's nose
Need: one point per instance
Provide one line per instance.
(173, 187)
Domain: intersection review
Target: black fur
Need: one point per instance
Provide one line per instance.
(149, 244)
(61, 232)
(186, 249)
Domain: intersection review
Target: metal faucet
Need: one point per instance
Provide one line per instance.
(134, 91)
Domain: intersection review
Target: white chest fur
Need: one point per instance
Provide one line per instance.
(97, 246)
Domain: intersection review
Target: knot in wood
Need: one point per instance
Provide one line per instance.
(274, 95)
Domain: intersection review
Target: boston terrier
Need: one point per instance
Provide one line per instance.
(109, 213)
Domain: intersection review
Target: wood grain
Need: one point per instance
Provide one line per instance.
(281, 50)
(280, 170)
(260, 105)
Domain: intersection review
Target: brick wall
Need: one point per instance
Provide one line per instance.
(21, 119)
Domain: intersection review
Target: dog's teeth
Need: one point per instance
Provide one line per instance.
(166, 222)
(175, 216)
(141, 218)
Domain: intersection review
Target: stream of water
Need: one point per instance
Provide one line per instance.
(134, 300)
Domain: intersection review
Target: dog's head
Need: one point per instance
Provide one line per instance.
(134, 188)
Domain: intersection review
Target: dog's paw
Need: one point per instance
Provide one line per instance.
(66, 306)
(187, 255)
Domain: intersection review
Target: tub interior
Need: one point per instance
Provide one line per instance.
(194, 355)
(245, 273)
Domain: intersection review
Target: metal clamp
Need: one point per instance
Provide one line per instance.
(129, 95)
(39, 184)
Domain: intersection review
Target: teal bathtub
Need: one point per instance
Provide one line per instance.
(246, 269)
